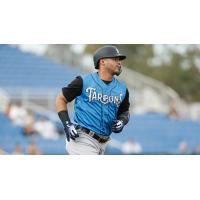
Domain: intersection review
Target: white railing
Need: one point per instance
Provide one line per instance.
(139, 81)
(148, 94)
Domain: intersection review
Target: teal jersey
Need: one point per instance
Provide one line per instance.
(98, 104)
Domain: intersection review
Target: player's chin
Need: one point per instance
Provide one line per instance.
(118, 72)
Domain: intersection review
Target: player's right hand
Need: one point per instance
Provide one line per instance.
(71, 132)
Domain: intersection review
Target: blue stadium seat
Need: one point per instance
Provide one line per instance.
(25, 70)
(159, 134)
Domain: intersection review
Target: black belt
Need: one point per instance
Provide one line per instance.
(94, 135)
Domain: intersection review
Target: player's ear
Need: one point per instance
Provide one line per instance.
(102, 61)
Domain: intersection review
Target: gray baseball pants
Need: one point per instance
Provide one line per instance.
(85, 145)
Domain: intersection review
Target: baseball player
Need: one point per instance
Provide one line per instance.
(101, 105)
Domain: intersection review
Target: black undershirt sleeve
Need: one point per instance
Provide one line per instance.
(73, 90)
(124, 106)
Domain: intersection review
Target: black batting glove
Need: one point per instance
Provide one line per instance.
(71, 132)
(117, 126)
(69, 127)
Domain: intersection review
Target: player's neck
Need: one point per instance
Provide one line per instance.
(105, 76)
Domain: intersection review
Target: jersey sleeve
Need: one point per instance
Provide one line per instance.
(124, 106)
(73, 89)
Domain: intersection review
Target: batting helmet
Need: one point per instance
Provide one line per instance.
(106, 52)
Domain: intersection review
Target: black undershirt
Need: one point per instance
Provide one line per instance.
(74, 89)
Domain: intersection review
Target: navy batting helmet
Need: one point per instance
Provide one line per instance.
(106, 52)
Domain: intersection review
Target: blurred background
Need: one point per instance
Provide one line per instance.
(163, 82)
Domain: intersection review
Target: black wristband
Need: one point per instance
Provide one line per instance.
(64, 117)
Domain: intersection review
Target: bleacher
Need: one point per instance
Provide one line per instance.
(21, 71)
(156, 133)
(27, 74)
(159, 134)
(11, 135)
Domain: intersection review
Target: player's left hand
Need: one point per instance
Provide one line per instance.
(117, 126)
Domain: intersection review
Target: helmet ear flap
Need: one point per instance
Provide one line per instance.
(97, 65)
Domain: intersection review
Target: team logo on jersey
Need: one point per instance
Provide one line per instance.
(103, 98)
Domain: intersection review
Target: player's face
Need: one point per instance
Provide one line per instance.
(113, 65)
